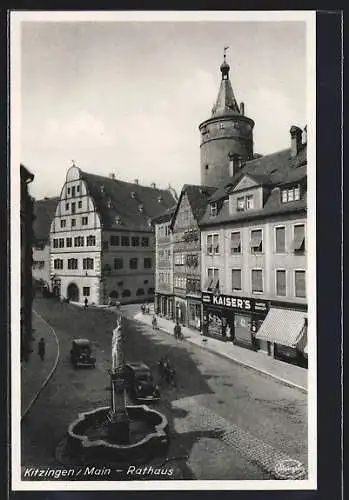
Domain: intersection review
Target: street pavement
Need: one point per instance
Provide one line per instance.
(228, 421)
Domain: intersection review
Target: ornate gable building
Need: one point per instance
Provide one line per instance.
(102, 238)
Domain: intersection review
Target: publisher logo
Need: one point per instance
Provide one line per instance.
(290, 469)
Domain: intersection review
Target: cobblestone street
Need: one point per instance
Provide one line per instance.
(230, 422)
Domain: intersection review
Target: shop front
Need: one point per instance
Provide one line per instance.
(231, 318)
(180, 310)
(285, 329)
(164, 305)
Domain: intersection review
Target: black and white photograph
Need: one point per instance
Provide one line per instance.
(163, 250)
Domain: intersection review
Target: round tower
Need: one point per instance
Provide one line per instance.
(226, 137)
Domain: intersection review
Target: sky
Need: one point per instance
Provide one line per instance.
(127, 97)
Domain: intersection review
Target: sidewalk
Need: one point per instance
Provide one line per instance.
(291, 375)
(34, 372)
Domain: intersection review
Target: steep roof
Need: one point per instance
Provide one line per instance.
(44, 211)
(226, 103)
(272, 172)
(198, 197)
(135, 204)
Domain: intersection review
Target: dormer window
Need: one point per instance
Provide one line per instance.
(133, 195)
(102, 189)
(117, 219)
(240, 204)
(213, 209)
(249, 202)
(245, 203)
(291, 194)
(109, 203)
(160, 199)
(140, 208)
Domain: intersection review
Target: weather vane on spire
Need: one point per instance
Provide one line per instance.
(225, 51)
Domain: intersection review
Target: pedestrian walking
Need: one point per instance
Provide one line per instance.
(154, 323)
(86, 303)
(177, 331)
(41, 349)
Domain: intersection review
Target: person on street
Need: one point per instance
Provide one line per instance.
(154, 323)
(86, 303)
(177, 331)
(143, 308)
(41, 349)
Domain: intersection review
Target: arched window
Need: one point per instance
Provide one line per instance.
(151, 291)
(113, 294)
(126, 293)
(140, 291)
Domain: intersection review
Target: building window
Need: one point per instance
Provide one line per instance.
(73, 222)
(78, 189)
(126, 293)
(135, 241)
(280, 239)
(105, 245)
(249, 202)
(79, 204)
(291, 194)
(90, 241)
(86, 291)
(212, 278)
(134, 263)
(113, 294)
(257, 280)
(212, 244)
(84, 221)
(78, 241)
(140, 292)
(180, 282)
(213, 209)
(69, 242)
(151, 291)
(73, 208)
(236, 279)
(61, 243)
(235, 242)
(118, 263)
(68, 190)
(55, 243)
(63, 223)
(125, 241)
(299, 239)
(73, 191)
(281, 282)
(256, 241)
(299, 284)
(115, 240)
(87, 263)
(179, 259)
(240, 204)
(58, 264)
(147, 263)
(72, 263)
(145, 241)
(67, 206)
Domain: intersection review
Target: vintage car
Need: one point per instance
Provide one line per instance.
(140, 383)
(81, 353)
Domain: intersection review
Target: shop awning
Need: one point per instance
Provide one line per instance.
(283, 326)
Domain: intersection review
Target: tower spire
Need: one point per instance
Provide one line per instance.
(226, 102)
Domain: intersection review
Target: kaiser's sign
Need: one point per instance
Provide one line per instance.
(240, 303)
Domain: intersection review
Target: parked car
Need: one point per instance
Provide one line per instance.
(81, 353)
(140, 382)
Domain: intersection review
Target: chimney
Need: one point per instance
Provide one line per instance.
(242, 109)
(296, 140)
(112, 176)
(136, 181)
(235, 163)
(153, 185)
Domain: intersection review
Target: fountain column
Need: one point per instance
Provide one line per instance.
(118, 427)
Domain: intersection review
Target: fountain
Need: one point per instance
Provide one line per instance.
(119, 433)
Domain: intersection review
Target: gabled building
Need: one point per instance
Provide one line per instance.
(187, 253)
(102, 238)
(254, 243)
(44, 211)
(164, 264)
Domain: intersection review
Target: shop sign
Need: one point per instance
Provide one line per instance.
(239, 303)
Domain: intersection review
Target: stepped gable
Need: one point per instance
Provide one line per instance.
(44, 212)
(135, 205)
(272, 171)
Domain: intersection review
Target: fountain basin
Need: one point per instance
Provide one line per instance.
(87, 439)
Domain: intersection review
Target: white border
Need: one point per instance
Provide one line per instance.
(161, 16)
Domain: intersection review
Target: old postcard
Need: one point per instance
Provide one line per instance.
(163, 255)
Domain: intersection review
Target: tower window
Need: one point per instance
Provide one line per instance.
(206, 167)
